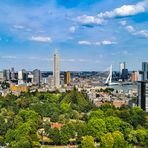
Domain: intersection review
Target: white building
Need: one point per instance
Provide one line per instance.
(56, 70)
(122, 66)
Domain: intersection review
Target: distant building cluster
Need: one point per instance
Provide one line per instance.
(23, 80)
(17, 82)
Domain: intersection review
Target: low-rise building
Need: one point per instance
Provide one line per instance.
(19, 88)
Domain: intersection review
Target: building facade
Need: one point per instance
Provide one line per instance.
(56, 70)
(134, 76)
(122, 66)
(67, 77)
(144, 71)
(143, 95)
(36, 77)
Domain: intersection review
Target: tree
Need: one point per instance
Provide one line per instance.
(119, 141)
(98, 114)
(96, 128)
(125, 129)
(1, 140)
(5, 85)
(142, 136)
(88, 142)
(65, 134)
(107, 106)
(65, 107)
(55, 117)
(132, 137)
(107, 141)
(113, 123)
(137, 116)
(23, 142)
(81, 130)
(25, 131)
(54, 134)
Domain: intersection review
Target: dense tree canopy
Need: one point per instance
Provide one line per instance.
(77, 121)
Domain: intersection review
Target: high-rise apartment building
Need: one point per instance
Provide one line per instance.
(7, 74)
(22, 76)
(143, 95)
(56, 69)
(2, 76)
(67, 77)
(12, 73)
(36, 77)
(144, 71)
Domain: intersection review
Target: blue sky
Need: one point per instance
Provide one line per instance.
(89, 34)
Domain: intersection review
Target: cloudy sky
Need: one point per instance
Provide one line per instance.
(89, 34)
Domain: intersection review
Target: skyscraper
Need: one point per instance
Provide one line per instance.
(122, 66)
(67, 77)
(36, 77)
(143, 95)
(144, 71)
(12, 73)
(22, 76)
(56, 69)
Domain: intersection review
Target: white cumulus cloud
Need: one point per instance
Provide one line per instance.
(107, 42)
(142, 33)
(89, 20)
(125, 10)
(84, 42)
(98, 43)
(41, 39)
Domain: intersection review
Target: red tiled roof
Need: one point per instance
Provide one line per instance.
(56, 125)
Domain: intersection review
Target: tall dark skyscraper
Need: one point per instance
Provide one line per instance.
(12, 73)
(144, 71)
(143, 95)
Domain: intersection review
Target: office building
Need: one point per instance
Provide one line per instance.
(22, 77)
(7, 74)
(30, 78)
(124, 75)
(143, 95)
(122, 66)
(12, 73)
(144, 71)
(56, 70)
(67, 78)
(134, 76)
(2, 76)
(36, 77)
(51, 81)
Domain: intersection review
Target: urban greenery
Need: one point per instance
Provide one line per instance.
(81, 122)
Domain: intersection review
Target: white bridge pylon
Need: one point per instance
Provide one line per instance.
(109, 78)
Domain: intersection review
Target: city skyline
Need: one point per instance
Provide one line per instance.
(109, 33)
